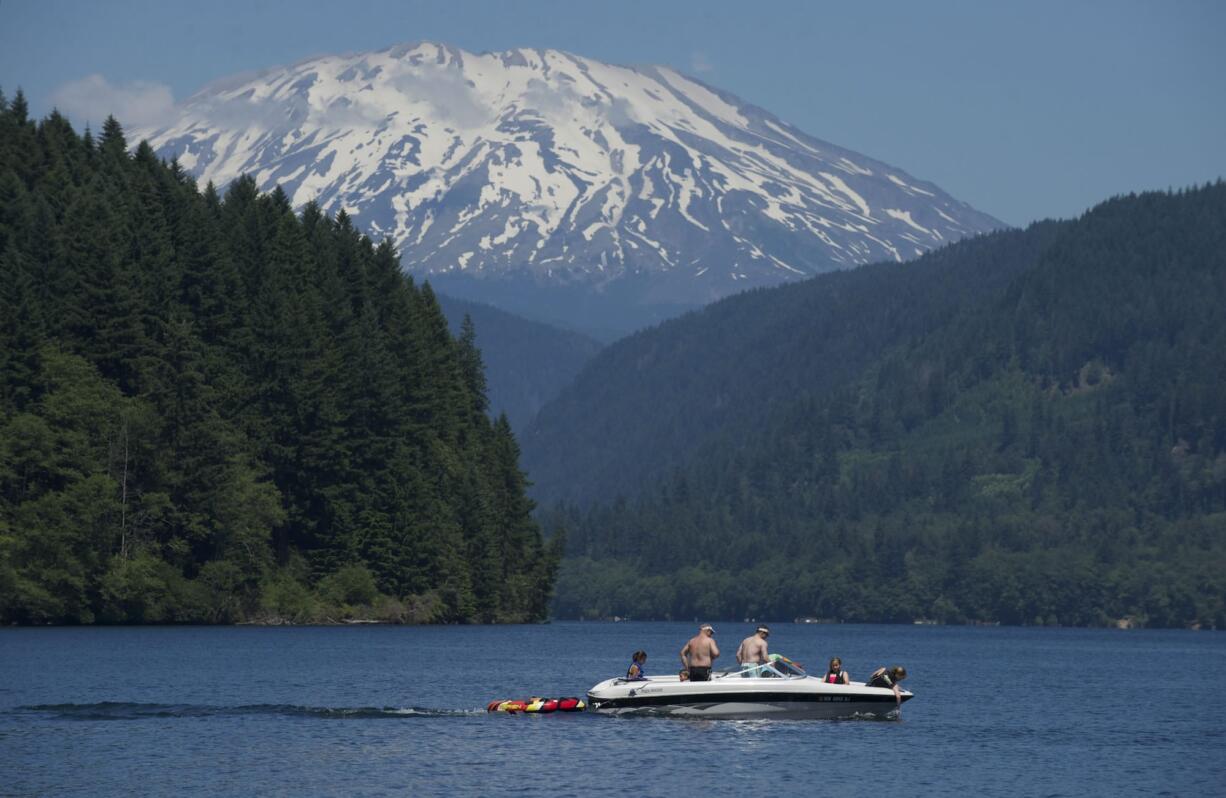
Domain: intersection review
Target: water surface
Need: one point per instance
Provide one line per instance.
(400, 710)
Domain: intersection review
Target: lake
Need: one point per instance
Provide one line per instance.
(382, 710)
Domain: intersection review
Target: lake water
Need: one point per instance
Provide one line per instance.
(400, 711)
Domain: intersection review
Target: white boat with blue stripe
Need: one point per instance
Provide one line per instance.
(776, 689)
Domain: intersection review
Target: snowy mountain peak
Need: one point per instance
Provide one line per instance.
(544, 164)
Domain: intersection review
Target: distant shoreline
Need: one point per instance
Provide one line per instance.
(1120, 625)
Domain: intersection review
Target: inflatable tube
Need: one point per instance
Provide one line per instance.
(510, 706)
(537, 705)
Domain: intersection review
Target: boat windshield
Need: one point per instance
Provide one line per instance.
(786, 666)
(778, 668)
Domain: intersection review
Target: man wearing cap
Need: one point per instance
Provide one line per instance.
(753, 648)
(699, 654)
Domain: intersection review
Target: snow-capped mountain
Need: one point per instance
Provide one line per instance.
(550, 166)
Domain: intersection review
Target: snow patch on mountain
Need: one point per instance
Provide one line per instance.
(543, 163)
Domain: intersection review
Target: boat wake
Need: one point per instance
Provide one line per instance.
(120, 710)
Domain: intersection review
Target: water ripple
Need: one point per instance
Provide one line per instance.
(122, 710)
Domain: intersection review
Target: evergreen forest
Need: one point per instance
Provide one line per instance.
(214, 410)
(1028, 427)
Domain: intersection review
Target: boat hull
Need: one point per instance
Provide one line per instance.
(743, 698)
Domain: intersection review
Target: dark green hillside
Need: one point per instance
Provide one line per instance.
(1053, 451)
(527, 363)
(644, 405)
(212, 409)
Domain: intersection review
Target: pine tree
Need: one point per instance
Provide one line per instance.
(98, 305)
(19, 108)
(472, 367)
(21, 330)
(112, 144)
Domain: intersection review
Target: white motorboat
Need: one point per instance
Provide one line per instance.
(777, 689)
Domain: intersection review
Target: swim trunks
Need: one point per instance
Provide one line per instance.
(700, 674)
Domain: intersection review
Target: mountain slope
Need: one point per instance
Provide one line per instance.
(1054, 452)
(643, 405)
(550, 168)
(527, 363)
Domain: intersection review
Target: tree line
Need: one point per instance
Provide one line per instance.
(213, 409)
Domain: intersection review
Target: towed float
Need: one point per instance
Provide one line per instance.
(541, 706)
(776, 689)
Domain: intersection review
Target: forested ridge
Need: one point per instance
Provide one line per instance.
(644, 405)
(527, 363)
(215, 410)
(1039, 437)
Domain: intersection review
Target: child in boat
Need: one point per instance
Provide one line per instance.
(836, 674)
(635, 671)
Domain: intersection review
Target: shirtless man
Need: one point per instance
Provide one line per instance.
(753, 648)
(700, 653)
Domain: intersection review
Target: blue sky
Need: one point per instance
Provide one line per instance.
(1025, 110)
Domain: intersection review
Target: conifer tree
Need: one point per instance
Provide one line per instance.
(19, 109)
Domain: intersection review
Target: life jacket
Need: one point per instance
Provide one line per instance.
(833, 677)
(631, 668)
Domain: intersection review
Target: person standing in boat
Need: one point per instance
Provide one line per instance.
(699, 654)
(753, 649)
(835, 674)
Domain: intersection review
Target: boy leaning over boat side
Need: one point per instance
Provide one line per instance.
(889, 677)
